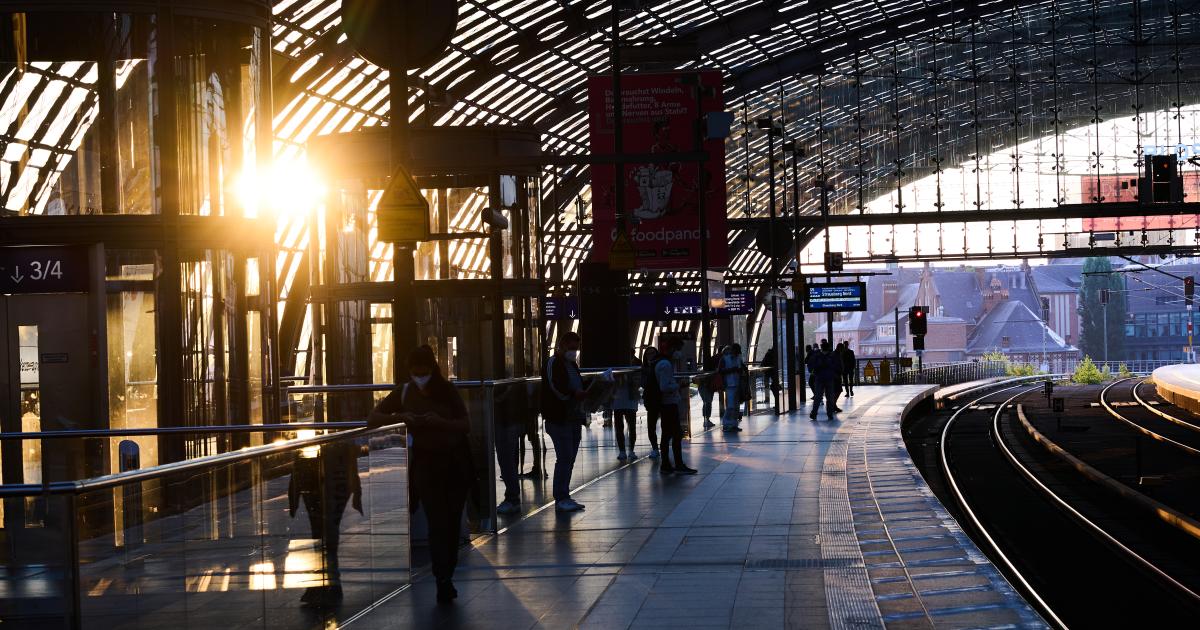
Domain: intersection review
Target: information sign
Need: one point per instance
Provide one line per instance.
(835, 297)
(737, 303)
(50, 269)
(558, 308)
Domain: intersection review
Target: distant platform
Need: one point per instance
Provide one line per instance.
(1179, 385)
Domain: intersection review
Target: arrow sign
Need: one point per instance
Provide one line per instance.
(49, 269)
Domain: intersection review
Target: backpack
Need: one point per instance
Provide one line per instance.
(651, 394)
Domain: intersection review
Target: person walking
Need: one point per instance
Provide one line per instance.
(731, 369)
(671, 353)
(439, 458)
(624, 407)
(825, 374)
(849, 369)
(562, 410)
(839, 351)
(651, 397)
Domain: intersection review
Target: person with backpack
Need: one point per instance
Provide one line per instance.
(651, 397)
(825, 376)
(731, 369)
(708, 385)
(562, 409)
(672, 430)
(439, 460)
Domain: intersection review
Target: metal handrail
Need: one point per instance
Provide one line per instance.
(187, 466)
(238, 428)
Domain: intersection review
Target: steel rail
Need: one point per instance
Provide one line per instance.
(1164, 415)
(962, 500)
(1079, 516)
(1139, 428)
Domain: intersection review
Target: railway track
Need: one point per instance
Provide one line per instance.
(1074, 548)
(1140, 415)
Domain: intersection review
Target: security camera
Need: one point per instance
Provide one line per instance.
(495, 218)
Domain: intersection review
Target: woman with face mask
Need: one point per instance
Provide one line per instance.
(439, 463)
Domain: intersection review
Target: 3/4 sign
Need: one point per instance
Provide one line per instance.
(43, 269)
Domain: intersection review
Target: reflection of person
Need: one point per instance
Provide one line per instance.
(731, 367)
(325, 481)
(440, 459)
(562, 408)
(624, 406)
(510, 406)
(533, 434)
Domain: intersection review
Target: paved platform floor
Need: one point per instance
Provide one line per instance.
(791, 523)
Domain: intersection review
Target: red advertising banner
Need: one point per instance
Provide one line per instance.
(662, 199)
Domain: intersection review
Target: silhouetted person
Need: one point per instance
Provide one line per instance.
(439, 462)
(562, 409)
(825, 375)
(771, 361)
(671, 352)
(651, 397)
(849, 369)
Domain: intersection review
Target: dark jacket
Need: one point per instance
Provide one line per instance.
(849, 361)
(824, 366)
(558, 392)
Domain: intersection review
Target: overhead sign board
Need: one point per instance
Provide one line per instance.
(51, 269)
(557, 308)
(657, 306)
(662, 196)
(737, 303)
(834, 297)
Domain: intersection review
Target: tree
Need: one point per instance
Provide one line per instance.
(1094, 314)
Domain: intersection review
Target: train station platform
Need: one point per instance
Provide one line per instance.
(1179, 385)
(791, 523)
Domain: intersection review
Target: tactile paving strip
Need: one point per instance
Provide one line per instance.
(923, 569)
(849, 598)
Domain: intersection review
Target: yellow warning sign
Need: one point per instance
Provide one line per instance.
(403, 211)
(622, 255)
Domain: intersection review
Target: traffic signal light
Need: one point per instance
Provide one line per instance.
(918, 320)
(1189, 289)
(1103, 296)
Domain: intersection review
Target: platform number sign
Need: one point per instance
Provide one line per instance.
(50, 269)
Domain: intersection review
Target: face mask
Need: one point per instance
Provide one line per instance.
(422, 381)
(571, 355)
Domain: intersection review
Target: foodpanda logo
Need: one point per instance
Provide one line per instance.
(661, 236)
